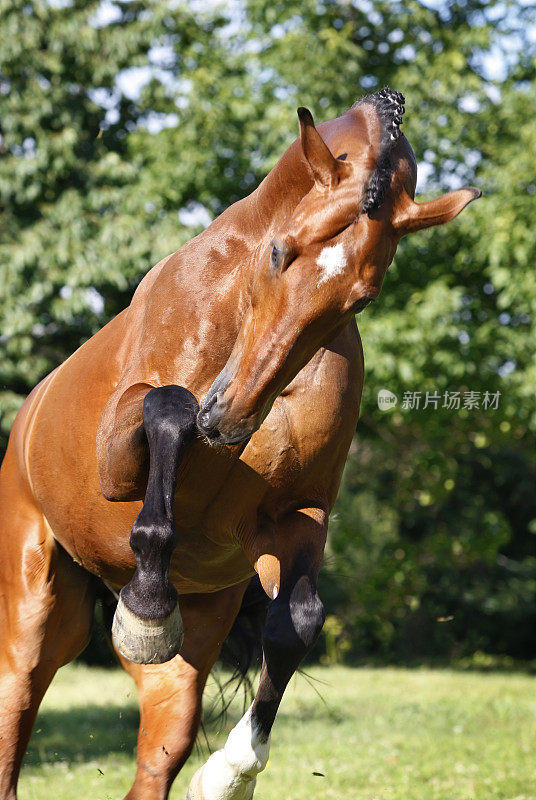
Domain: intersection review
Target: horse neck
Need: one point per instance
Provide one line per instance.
(281, 191)
(219, 264)
(252, 223)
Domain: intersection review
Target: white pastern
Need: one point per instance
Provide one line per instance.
(332, 261)
(230, 774)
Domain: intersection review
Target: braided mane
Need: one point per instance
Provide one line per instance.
(389, 105)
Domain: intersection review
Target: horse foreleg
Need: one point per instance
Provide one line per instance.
(147, 625)
(170, 694)
(288, 568)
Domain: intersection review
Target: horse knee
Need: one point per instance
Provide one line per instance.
(171, 408)
(294, 619)
(306, 611)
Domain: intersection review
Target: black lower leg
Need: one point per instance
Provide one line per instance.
(169, 415)
(294, 620)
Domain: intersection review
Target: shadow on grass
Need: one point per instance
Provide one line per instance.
(86, 733)
(82, 734)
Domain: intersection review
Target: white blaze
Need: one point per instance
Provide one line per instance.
(332, 261)
(230, 774)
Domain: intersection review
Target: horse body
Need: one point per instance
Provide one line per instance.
(180, 329)
(255, 319)
(219, 495)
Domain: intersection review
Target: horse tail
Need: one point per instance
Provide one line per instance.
(241, 653)
(242, 650)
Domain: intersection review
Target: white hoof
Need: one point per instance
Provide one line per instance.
(147, 641)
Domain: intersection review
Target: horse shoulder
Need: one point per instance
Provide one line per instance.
(305, 438)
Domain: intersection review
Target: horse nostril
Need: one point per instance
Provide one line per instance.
(210, 402)
(208, 417)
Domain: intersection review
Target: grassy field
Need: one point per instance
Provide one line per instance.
(385, 734)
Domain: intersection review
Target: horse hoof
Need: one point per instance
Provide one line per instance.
(147, 641)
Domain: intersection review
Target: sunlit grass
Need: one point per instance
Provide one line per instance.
(390, 734)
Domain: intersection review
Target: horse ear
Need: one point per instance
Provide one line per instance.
(324, 166)
(411, 216)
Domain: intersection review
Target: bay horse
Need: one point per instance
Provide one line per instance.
(211, 419)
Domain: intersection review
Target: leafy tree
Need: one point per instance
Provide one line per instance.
(79, 227)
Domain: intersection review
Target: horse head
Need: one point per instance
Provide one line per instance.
(327, 261)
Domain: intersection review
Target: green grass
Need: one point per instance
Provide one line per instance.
(376, 734)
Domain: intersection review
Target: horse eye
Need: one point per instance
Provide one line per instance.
(281, 255)
(274, 257)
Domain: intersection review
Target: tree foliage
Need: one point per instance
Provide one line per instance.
(437, 516)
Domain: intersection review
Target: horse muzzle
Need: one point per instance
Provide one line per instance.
(214, 423)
